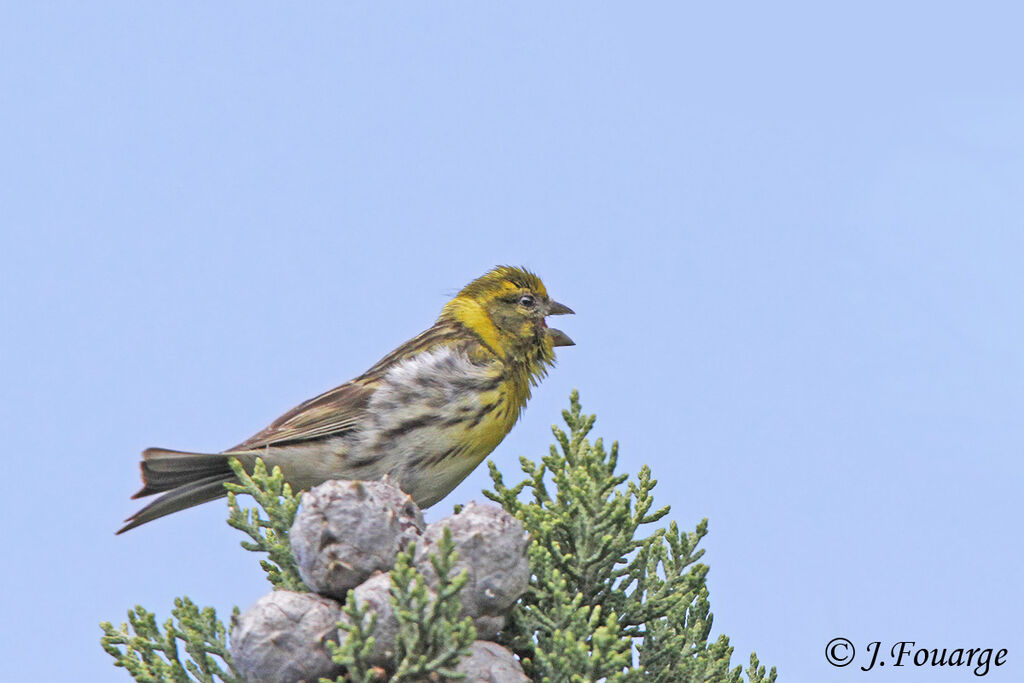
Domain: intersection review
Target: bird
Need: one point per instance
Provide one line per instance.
(425, 415)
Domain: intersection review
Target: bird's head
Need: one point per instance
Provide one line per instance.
(506, 309)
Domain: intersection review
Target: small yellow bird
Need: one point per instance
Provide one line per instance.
(426, 415)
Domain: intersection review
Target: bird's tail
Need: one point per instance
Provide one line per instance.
(184, 479)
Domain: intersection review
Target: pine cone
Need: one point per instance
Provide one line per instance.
(492, 546)
(282, 638)
(347, 530)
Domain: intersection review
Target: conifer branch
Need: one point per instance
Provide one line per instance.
(600, 589)
(153, 656)
(269, 534)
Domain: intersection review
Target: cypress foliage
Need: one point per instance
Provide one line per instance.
(153, 656)
(269, 533)
(431, 635)
(605, 603)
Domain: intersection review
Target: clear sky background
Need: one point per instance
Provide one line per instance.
(793, 233)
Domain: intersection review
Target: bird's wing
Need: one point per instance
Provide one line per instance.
(329, 414)
(342, 408)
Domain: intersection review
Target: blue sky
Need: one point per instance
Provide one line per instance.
(792, 234)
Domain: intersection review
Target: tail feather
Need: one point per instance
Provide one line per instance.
(180, 498)
(164, 470)
(185, 479)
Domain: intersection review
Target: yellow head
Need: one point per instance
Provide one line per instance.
(506, 309)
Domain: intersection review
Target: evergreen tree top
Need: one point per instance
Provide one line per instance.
(609, 598)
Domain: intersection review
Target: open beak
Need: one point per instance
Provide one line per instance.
(559, 338)
(555, 308)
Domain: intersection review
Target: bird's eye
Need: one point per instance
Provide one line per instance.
(526, 300)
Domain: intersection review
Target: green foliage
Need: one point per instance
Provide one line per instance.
(756, 671)
(152, 656)
(432, 637)
(355, 649)
(269, 534)
(605, 602)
